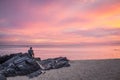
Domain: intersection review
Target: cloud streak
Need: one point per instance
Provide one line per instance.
(97, 32)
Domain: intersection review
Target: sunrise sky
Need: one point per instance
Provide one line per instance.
(63, 22)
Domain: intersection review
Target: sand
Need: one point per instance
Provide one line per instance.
(82, 70)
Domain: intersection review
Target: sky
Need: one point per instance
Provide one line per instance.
(60, 22)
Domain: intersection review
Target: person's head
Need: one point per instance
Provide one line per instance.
(30, 47)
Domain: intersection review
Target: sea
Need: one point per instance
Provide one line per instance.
(72, 53)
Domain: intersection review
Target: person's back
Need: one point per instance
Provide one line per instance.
(30, 52)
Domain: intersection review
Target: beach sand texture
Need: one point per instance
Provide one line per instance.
(81, 70)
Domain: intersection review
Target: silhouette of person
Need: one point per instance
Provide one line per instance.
(30, 52)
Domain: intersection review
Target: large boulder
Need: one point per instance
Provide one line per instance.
(54, 63)
(19, 65)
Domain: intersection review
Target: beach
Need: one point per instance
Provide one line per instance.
(50, 34)
(106, 69)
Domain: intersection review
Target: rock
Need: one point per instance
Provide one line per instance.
(55, 63)
(35, 74)
(2, 77)
(19, 65)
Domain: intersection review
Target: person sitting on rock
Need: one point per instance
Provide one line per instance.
(30, 52)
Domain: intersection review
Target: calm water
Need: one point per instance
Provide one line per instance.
(75, 53)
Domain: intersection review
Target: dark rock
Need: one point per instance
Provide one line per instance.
(55, 63)
(7, 57)
(35, 74)
(2, 77)
(19, 65)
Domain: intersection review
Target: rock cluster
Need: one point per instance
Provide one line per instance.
(23, 64)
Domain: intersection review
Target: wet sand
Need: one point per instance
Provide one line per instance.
(82, 70)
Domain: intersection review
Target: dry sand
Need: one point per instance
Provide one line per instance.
(82, 70)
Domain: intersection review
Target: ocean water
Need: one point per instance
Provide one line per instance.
(73, 53)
